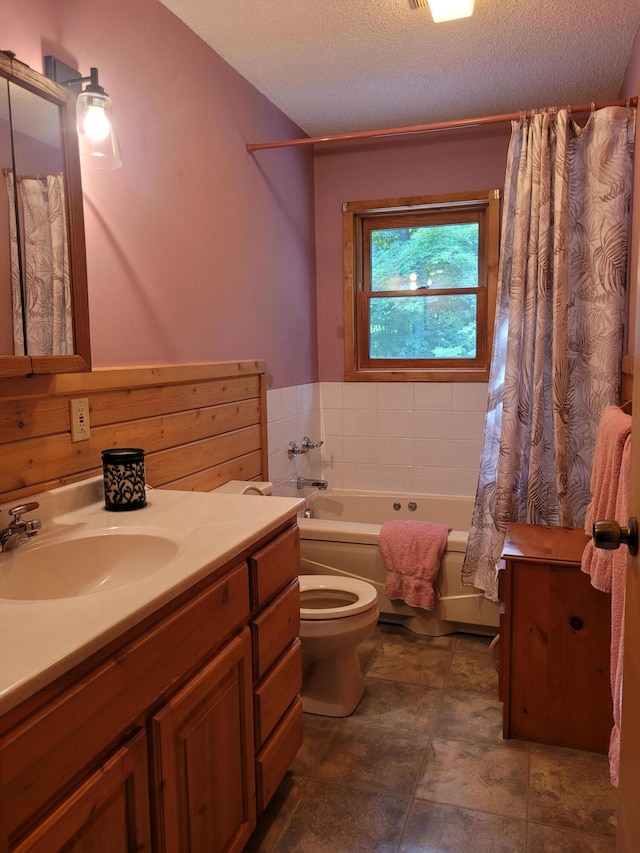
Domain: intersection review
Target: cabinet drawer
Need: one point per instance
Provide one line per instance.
(274, 628)
(274, 566)
(275, 757)
(43, 755)
(276, 691)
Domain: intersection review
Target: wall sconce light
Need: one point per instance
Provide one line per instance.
(97, 133)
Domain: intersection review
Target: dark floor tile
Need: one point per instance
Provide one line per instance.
(372, 758)
(467, 715)
(333, 818)
(318, 732)
(349, 787)
(475, 776)
(472, 666)
(397, 706)
(414, 660)
(554, 839)
(436, 828)
(476, 641)
(571, 788)
(274, 818)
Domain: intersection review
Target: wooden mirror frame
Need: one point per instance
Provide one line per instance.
(20, 74)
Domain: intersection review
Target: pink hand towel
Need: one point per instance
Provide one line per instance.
(613, 429)
(412, 553)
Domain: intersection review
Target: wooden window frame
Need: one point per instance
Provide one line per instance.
(358, 220)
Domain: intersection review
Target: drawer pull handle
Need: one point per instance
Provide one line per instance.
(576, 623)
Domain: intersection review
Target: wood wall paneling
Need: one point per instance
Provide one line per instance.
(200, 425)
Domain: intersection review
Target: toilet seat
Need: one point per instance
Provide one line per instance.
(366, 595)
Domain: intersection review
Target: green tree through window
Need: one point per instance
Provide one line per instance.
(420, 287)
(438, 257)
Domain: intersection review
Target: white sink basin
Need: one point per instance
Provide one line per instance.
(84, 564)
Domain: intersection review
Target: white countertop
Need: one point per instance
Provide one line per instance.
(42, 639)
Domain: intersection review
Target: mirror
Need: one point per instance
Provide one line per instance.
(44, 319)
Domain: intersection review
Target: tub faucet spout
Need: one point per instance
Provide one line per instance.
(301, 482)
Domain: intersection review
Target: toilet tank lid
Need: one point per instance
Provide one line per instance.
(249, 487)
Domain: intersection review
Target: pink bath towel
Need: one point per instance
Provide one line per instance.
(412, 552)
(618, 588)
(613, 429)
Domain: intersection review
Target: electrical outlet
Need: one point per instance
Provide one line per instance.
(80, 427)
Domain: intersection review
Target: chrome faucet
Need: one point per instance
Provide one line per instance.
(293, 449)
(19, 531)
(301, 482)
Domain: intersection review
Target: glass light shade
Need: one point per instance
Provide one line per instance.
(97, 134)
(450, 10)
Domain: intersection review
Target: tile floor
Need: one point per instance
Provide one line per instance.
(421, 766)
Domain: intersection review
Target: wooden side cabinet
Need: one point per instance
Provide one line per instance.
(555, 636)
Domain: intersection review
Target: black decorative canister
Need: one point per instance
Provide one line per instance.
(124, 484)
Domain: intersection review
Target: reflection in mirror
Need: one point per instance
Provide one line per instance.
(6, 307)
(43, 293)
(42, 320)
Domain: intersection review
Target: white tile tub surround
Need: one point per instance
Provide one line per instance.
(292, 413)
(388, 436)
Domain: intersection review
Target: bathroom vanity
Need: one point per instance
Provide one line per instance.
(175, 712)
(555, 632)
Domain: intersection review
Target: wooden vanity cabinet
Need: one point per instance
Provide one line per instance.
(151, 744)
(555, 634)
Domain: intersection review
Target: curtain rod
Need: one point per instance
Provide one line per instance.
(426, 128)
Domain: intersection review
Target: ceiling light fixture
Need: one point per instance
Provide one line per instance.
(97, 133)
(450, 10)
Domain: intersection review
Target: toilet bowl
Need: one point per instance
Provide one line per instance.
(336, 615)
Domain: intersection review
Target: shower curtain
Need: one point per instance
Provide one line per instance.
(41, 296)
(559, 325)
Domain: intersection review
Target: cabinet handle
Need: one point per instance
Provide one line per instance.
(608, 535)
(576, 623)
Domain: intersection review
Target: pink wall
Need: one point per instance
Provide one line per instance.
(197, 251)
(425, 164)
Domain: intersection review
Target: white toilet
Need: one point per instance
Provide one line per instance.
(336, 615)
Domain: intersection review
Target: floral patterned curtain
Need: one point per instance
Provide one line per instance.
(559, 325)
(45, 295)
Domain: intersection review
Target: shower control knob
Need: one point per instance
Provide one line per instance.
(608, 535)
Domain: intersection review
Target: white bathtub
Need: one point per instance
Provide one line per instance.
(342, 538)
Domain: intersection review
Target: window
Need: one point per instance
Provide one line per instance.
(420, 287)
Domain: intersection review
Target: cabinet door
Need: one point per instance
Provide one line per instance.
(109, 813)
(560, 631)
(202, 748)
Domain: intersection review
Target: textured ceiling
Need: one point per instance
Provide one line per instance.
(335, 66)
